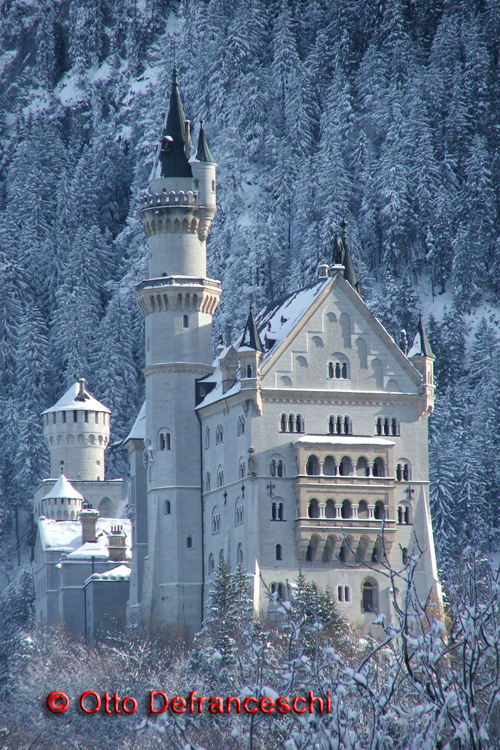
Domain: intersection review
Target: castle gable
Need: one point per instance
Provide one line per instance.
(335, 343)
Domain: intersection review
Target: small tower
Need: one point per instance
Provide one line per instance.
(76, 431)
(62, 503)
(250, 353)
(422, 358)
(117, 547)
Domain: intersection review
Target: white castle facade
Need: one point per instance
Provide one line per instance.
(302, 447)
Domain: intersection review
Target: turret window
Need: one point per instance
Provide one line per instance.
(167, 508)
(403, 472)
(189, 542)
(86, 416)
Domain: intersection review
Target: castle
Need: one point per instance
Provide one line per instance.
(291, 450)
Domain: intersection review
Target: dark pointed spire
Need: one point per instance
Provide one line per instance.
(342, 252)
(173, 158)
(203, 152)
(425, 345)
(251, 336)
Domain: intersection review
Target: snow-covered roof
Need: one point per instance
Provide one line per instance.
(63, 489)
(276, 321)
(69, 401)
(343, 440)
(120, 573)
(66, 536)
(138, 431)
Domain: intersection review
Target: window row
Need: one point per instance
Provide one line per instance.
(80, 440)
(219, 432)
(347, 509)
(338, 370)
(340, 425)
(94, 417)
(292, 423)
(331, 467)
(387, 426)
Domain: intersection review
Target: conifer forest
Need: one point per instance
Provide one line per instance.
(386, 112)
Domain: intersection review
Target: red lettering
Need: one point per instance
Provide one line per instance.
(283, 705)
(245, 705)
(297, 710)
(328, 706)
(228, 705)
(269, 704)
(134, 705)
(90, 710)
(152, 695)
(311, 701)
(178, 701)
(106, 697)
(216, 703)
(116, 699)
(191, 701)
(200, 702)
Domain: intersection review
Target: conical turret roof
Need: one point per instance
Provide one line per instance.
(203, 152)
(63, 489)
(173, 158)
(251, 337)
(78, 398)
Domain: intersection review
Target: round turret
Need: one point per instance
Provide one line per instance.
(76, 431)
(62, 503)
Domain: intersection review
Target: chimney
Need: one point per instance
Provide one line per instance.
(88, 519)
(116, 544)
(82, 396)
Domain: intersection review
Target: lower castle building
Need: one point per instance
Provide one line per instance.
(303, 446)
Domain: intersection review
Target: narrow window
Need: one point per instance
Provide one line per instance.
(291, 423)
(239, 554)
(386, 426)
(407, 516)
(185, 321)
(331, 426)
(167, 441)
(340, 593)
(406, 472)
(394, 426)
(337, 370)
(161, 442)
(400, 515)
(330, 369)
(189, 542)
(378, 426)
(213, 186)
(167, 508)
(368, 595)
(283, 423)
(279, 552)
(399, 473)
(75, 416)
(249, 371)
(404, 555)
(207, 482)
(96, 417)
(272, 468)
(347, 594)
(344, 371)
(211, 565)
(280, 469)
(281, 515)
(54, 417)
(273, 512)
(207, 438)
(339, 425)
(86, 416)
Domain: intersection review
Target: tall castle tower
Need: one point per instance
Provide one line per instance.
(178, 303)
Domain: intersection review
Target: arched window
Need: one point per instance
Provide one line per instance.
(239, 515)
(378, 468)
(211, 564)
(345, 468)
(215, 520)
(241, 425)
(312, 549)
(220, 477)
(280, 468)
(404, 556)
(379, 426)
(207, 438)
(167, 508)
(242, 469)
(249, 371)
(362, 509)
(339, 368)
(330, 509)
(189, 542)
(343, 593)
(272, 468)
(403, 471)
(347, 426)
(404, 515)
(185, 321)
(369, 596)
(283, 423)
(207, 482)
(379, 511)
(291, 423)
(239, 555)
(313, 509)
(281, 512)
(329, 466)
(274, 512)
(395, 427)
(346, 511)
(219, 434)
(312, 466)
(279, 552)
(362, 467)
(164, 440)
(299, 423)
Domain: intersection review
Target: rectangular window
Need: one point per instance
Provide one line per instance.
(54, 417)
(97, 417)
(64, 417)
(86, 416)
(75, 416)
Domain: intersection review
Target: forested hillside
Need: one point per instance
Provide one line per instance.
(385, 110)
